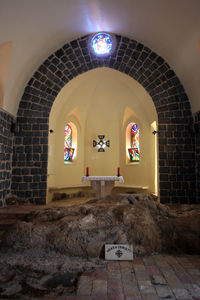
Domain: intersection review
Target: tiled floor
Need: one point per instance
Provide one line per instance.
(148, 278)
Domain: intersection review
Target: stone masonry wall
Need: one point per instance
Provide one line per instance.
(176, 143)
(6, 148)
(197, 139)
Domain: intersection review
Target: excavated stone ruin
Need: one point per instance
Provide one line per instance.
(82, 231)
(59, 240)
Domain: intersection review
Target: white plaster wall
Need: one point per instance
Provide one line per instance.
(5, 59)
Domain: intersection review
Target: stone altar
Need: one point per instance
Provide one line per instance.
(102, 185)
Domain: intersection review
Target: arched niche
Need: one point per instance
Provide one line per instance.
(142, 174)
(101, 101)
(62, 173)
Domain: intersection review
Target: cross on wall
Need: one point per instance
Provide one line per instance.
(101, 144)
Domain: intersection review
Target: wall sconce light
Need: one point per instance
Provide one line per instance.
(154, 132)
(101, 144)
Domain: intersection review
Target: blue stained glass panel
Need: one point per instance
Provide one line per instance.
(68, 154)
(68, 136)
(134, 154)
(135, 137)
(102, 43)
(68, 150)
(134, 151)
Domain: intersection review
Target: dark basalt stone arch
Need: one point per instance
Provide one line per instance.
(176, 142)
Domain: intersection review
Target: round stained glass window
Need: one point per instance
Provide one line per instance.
(102, 43)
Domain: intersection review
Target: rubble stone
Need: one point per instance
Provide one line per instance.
(83, 231)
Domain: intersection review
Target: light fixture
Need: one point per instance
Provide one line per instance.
(155, 132)
(101, 144)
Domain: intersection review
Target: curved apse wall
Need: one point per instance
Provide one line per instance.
(102, 101)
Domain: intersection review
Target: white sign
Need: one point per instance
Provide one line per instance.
(118, 252)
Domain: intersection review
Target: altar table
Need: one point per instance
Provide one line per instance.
(102, 185)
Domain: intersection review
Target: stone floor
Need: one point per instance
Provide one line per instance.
(148, 278)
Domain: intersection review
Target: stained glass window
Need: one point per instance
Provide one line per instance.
(102, 43)
(68, 150)
(68, 136)
(68, 154)
(134, 151)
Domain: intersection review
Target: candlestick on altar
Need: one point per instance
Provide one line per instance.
(118, 171)
(87, 171)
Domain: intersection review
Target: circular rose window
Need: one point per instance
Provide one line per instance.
(102, 43)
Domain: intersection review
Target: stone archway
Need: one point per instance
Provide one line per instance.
(176, 143)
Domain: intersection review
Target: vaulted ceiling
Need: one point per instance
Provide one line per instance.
(37, 28)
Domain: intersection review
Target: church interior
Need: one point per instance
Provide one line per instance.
(99, 149)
